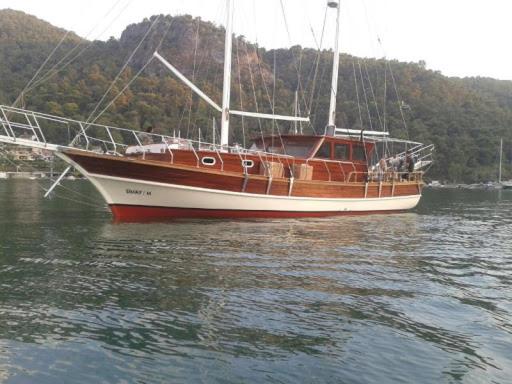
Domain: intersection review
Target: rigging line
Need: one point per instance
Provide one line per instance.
(398, 100)
(193, 77)
(258, 61)
(273, 106)
(387, 64)
(273, 89)
(54, 70)
(319, 56)
(299, 83)
(80, 202)
(122, 69)
(122, 90)
(240, 90)
(33, 169)
(372, 93)
(357, 95)
(254, 93)
(364, 94)
(166, 32)
(317, 100)
(83, 196)
(311, 70)
(87, 36)
(51, 54)
(40, 69)
(209, 69)
(251, 77)
(384, 102)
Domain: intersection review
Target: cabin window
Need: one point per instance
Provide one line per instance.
(208, 160)
(291, 146)
(358, 153)
(341, 151)
(276, 148)
(247, 163)
(297, 147)
(325, 151)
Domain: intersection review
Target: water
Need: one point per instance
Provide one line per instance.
(421, 297)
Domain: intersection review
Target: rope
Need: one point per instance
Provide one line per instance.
(122, 90)
(32, 168)
(122, 69)
(317, 99)
(319, 55)
(372, 93)
(364, 94)
(53, 70)
(357, 95)
(60, 196)
(384, 103)
(241, 92)
(193, 77)
(398, 100)
(254, 92)
(20, 96)
(299, 83)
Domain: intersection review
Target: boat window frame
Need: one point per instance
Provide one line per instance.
(208, 158)
(322, 144)
(353, 151)
(347, 152)
(245, 163)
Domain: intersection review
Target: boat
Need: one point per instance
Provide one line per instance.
(503, 184)
(148, 176)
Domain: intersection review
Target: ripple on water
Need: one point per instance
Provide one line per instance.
(417, 297)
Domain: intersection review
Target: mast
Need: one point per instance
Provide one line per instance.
(335, 65)
(295, 111)
(501, 155)
(226, 88)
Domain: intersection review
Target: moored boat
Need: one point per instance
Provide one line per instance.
(146, 176)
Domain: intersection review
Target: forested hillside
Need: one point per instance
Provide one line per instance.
(464, 118)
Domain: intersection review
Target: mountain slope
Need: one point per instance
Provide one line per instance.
(464, 118)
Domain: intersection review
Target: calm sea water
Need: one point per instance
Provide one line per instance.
(420, 297)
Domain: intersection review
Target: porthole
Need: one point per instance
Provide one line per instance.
(247, 163)
(208, 160)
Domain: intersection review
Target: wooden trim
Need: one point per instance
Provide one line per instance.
(164, 172)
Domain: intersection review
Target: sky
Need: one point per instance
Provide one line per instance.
(457, 37)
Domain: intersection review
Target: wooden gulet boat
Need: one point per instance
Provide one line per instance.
(161, 177)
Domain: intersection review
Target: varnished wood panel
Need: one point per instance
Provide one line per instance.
(164, 172)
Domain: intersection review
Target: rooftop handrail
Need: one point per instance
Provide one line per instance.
(115, 139)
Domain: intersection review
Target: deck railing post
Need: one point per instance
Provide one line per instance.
(220, 158)
(85, 136)
(328, 171)
(31, 127)
(140, 144)
(290, 187)
(39, 127)
(111, 139)
(195, 153)
(9, 125)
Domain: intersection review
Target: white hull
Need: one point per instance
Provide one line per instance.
(123, 191)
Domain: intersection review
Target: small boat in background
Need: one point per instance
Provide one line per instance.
(503, 184)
